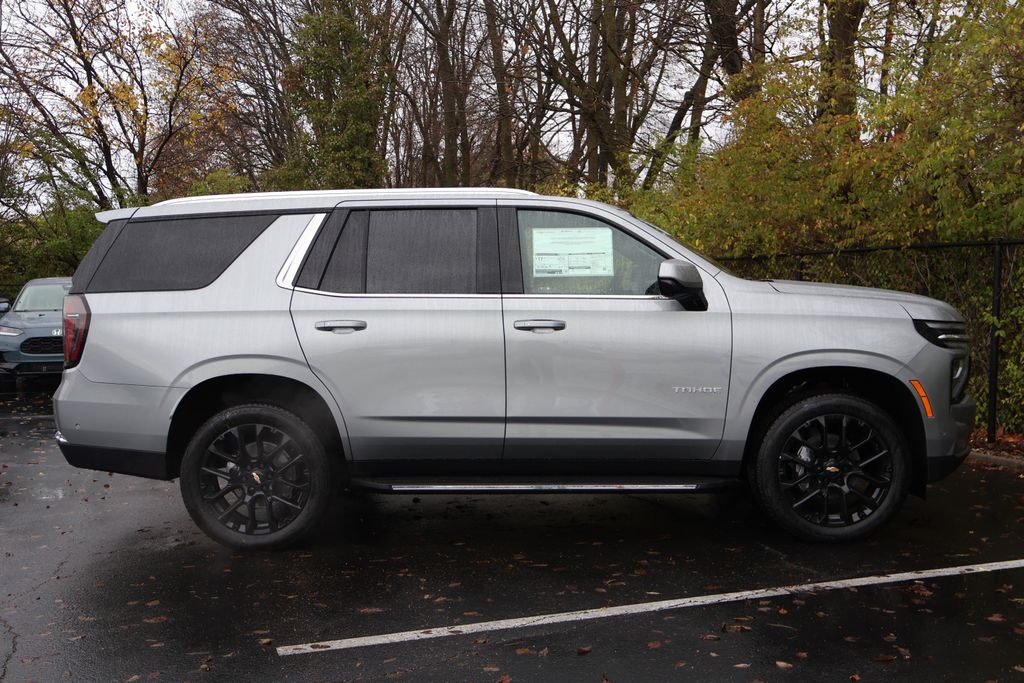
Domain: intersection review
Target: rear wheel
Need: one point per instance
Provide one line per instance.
(832, 467)
(255, 476)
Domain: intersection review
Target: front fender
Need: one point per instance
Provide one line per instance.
(747, 392)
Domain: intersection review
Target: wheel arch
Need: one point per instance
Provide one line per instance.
(883, 389)
(215, 394)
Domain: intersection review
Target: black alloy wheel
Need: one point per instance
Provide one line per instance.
(254, 479)
(831, 467)
(255, 476)
(836, 470)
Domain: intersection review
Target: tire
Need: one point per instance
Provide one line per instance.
(255, 477)
(832, 467)
(8, 385)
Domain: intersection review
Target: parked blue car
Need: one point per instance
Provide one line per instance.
(32, 332)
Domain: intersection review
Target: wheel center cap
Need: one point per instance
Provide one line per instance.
(832, 469)
(257, 477)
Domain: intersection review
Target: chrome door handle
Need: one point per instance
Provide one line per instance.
(539, 326)
(341, 326)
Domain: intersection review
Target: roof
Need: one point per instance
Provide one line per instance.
(298, 201)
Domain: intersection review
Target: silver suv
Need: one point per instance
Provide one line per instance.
(269, 349)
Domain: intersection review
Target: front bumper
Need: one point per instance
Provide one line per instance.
(31, 369)
(956, 442)
(136, 463)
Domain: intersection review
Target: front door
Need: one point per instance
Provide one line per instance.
(401, 320)
(604, 375)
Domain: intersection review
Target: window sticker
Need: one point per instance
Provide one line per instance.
(572, 252)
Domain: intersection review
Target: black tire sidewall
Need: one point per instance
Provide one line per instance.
(765, 476)
(314, 457)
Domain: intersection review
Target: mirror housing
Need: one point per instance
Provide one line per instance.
(5, 305)
(681, 280)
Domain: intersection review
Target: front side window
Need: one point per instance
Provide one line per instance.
(569, 253)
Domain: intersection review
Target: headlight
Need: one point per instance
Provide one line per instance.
(948, 334)
(958, 380)
(10, 331)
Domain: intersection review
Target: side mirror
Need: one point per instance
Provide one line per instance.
(680, 280)
(5, 306)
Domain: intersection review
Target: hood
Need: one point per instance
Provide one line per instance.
(28, 320)
(917, 306)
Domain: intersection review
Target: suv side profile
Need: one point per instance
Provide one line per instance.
(269, 349)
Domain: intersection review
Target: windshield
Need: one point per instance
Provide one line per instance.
(41, 297)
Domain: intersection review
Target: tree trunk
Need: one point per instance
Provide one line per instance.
(839, 92)
(502, 167)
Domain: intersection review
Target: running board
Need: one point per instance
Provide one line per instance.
(546, 485)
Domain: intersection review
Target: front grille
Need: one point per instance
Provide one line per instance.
(43, 345)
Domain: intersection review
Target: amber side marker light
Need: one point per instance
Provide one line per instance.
(924, 397)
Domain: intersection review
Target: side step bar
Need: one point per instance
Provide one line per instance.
(546, 485)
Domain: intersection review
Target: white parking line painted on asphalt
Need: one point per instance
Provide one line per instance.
(643, 608)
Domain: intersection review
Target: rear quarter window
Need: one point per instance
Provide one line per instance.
(186, 253)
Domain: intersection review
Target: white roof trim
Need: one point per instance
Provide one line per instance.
(115, 214)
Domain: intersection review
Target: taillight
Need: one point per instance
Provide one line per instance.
(76, 327)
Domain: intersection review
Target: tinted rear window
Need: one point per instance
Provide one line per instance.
(187, 253)
(409, 251)
(87, 268)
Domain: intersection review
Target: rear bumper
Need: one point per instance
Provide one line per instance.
(136, 463)
(955, 443)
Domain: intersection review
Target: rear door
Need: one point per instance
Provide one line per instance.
(398, 311)
(604, 375)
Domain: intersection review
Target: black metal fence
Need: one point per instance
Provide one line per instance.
(981, 279)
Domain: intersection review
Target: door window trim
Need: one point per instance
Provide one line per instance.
(297, 257)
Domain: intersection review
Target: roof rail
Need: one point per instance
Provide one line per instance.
(342, 194)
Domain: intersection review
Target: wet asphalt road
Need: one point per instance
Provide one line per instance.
(105, 578)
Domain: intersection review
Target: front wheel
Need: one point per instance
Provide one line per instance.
(832, 467)
(255, 476)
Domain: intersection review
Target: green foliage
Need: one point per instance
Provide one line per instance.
(221, 181)
(336, 87)
(943, 160)
(50, 244)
